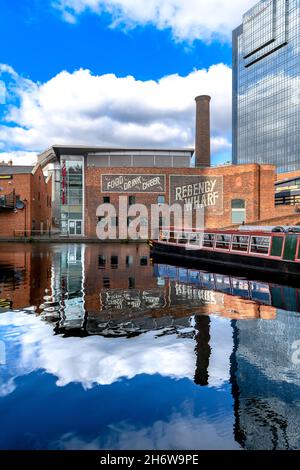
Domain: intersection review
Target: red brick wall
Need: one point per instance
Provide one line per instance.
(40, 202)
(287, 176)
(253, 183)
(35, 190)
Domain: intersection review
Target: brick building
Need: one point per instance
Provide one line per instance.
(85, 177)
(25, 201)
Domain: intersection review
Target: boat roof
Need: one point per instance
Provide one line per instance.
(267, 233)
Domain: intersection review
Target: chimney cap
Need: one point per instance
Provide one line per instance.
(203, 98)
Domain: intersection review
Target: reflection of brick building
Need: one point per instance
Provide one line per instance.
(25, 201)
(25, 274)
(115, 268)
(118, 281)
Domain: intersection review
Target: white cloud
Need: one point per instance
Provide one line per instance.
(19, 157)
(82, 108)
(187, 19)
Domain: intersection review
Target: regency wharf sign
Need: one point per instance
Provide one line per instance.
(195, 192)
(133, 183)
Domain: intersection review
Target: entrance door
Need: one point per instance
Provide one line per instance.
(75, 227)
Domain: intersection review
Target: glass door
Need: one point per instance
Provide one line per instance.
(75, 227)
(78, 227)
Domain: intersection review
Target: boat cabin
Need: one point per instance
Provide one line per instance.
(279, 246)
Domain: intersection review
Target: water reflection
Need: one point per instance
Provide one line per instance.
(156, 356)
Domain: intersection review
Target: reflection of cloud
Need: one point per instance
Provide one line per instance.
(182, 431)
(222, 345)
(97, 360)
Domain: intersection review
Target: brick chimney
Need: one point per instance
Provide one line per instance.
(202, 144)
(9, 163)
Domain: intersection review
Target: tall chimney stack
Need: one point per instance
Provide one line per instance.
(202, 144)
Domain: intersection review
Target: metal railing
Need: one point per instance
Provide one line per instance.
(33, 233)
(42, 234)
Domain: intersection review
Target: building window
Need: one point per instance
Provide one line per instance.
(238, 211)
(129, 261)
(131, 283)
(161, 200)
(144, 261)
(162, 221)
(102, 261)
(114, 262)
(131, 200)
(106, 200)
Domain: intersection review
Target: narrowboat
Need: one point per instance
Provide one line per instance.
(270, 254)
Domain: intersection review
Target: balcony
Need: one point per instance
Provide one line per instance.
(7, 202)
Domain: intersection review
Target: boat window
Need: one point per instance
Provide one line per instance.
(164, 236)
(223, 242)
(194, 239)
(207, 279)
(260, 245)
(208, 240)
(277, 245)
(172, 238)
(183, 238)
(240, 243)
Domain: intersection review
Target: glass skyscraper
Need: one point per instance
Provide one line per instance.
(266, 86)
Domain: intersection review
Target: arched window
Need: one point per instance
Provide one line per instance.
(238, 211)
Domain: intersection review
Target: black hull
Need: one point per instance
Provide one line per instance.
(228, 263)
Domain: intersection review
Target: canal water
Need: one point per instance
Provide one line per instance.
(102, 349)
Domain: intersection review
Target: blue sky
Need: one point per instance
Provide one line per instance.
(61, 56)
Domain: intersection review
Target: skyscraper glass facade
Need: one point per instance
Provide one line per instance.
(266, 86)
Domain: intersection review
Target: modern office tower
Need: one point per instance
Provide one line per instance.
(266, 86)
